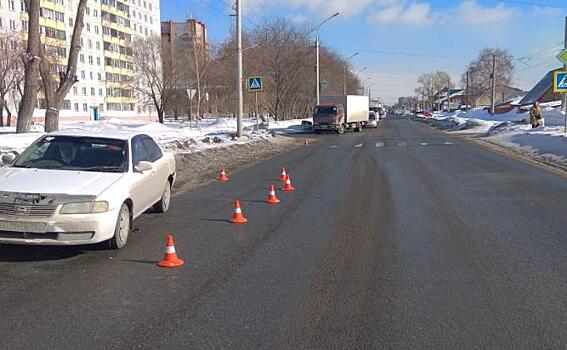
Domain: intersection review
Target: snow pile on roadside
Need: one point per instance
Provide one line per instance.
(179, 136)
(511, 129)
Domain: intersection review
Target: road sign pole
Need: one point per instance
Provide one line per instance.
(257, 113)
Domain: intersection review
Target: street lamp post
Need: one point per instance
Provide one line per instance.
(357, 73)
(344, 72)
(317, 48)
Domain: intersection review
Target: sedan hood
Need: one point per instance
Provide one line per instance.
(70, 182)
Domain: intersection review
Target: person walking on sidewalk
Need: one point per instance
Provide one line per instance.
(536, 117)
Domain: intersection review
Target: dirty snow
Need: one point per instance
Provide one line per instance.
(178, 136)
(512, 130)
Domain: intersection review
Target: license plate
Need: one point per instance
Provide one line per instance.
(17, 226)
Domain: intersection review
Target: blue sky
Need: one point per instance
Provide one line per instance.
(399, 40)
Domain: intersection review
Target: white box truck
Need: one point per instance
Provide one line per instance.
(340, 113)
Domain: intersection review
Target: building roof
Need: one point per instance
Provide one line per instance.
(539, 90)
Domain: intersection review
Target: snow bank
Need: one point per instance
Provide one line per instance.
(511, 129)
(178, 136)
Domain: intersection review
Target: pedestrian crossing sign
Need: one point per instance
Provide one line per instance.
(560, 81)
(255, 84)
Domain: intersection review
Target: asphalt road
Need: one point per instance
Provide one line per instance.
(401, 237)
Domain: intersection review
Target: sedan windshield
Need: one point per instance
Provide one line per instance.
(75, 153)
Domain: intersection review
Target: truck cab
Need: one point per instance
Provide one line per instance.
(328, 118)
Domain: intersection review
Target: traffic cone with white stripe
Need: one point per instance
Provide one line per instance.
(170, 258)
(283, 175)
(238, 218)
(272, 199)
(288, 186)
(222, 177)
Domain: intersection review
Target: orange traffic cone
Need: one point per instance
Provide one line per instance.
(272, 199)
(283, 175)
(170, 258)
(238, 218)
(222, 176)
(287, 186)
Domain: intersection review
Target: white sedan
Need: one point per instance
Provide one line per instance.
(79, 187)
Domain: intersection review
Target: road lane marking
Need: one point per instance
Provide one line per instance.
(403, 143)
(379, 144)
(449, 143)
(424, 144)
(358, 146)
(335, 146)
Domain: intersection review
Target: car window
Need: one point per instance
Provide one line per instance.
(139, 152)
(75, 153)
(152, 148)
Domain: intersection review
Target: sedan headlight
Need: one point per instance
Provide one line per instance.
(84, 208)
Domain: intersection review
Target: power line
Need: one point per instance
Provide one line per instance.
(531, 3)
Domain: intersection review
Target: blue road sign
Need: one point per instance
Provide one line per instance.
(255, 84)
(560, 81)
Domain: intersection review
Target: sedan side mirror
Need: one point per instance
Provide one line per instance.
(8, 158)
(143, 166)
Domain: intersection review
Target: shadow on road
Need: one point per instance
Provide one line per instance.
(22, 253)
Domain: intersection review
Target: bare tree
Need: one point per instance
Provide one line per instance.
(156, 86)
(56, 84)
(430, 84)
(31, 60)
(11, 72)
(480, 72)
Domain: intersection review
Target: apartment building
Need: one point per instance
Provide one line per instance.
(105, 63)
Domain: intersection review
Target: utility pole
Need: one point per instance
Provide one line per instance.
(493, 76)
(467, 92)
(449, 95)
(317, 69)
(239, 65)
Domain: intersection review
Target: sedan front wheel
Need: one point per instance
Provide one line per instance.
(122, 229)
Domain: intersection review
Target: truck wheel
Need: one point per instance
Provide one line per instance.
(359, 128)
(341, 129)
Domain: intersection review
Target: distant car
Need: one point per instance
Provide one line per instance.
(372, 120)
(80, 187)
(426, 114)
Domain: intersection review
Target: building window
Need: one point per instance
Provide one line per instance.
(84, 91)
(90, 42)
(24, 26)
(95, 13)
(96, 29)
(22, 6)
(75, 90)
(85, 107)
(91, 61)
(1, 21)
(13, 45)
(98, 45)
(145, 18)
(82, 58)
(11, 5)
(76, 107)
(98, 64)
(88, 11)
(99, 75)
(100, 91)
(92, 91)
(12, 24)
(88, 27)
(70, 21)
(92, 76)
(83, 75)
